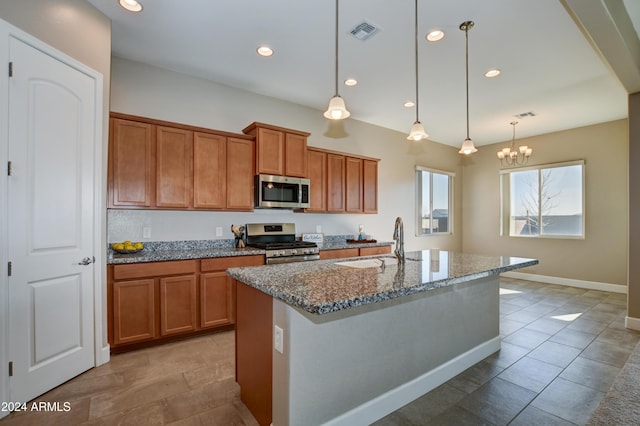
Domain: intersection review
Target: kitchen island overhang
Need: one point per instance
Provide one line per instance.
(360, 341)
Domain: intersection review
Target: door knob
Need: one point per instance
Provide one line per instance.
(87, 260)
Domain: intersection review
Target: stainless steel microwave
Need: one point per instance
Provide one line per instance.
(281, 192)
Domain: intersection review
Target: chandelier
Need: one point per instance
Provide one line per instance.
(510, 156)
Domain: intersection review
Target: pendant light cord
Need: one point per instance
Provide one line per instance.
(336, 61)
(416, 56)
(466, 33)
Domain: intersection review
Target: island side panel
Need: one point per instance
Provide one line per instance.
(254, 322)
(363, 363)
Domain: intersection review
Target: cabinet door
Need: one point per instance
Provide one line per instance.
(335, 182)
(177, 304)
(270, 152)
(240, 165)
(134, 317)
(370, 186)
(318, 181)
(131, 167)
(353, 185)
(216, 299)
(174, 153)
(209, 171)
(295, 149)
(372, 251)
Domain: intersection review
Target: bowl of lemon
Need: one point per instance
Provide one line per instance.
(127, 247)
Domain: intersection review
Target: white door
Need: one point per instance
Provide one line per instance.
(51, 220)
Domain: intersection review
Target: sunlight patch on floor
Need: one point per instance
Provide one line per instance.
(568, 317)
(508, 291)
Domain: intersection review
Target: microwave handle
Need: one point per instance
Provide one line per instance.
(299, 193)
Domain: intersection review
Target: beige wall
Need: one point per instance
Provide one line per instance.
(602, 255)
(633, 301)
(144, 90)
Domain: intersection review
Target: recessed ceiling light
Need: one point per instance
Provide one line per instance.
(492, 73)
(131, 5)
(350, 82)
(409, 104)
(435, 35)
(264, 51)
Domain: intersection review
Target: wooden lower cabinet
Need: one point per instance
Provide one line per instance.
(354, 252)
(177, 304)
(155, 302)
(134, 316)
(216, 299)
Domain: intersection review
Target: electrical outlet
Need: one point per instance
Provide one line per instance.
(278, 339)
(319, 229)
(146, 232)
(218, 231)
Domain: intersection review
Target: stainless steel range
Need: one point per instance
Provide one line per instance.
(279, 242)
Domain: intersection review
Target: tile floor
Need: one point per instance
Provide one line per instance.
(562, 348)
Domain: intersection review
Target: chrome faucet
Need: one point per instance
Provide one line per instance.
(398, 236)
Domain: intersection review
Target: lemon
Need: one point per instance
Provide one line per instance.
(138, 246)
(127, 243)
(118, 246)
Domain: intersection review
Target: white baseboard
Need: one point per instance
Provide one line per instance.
(391, 401)
(590, 285)
(632, 323)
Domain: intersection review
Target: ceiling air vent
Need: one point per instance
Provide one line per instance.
(525, 114)
(364, 31)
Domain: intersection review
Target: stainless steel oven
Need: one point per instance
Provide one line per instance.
(281, 192)
(280, 244)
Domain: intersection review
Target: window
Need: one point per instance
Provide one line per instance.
(544, 201)
(434, 212)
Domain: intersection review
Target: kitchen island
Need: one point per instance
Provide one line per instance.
(349, 341)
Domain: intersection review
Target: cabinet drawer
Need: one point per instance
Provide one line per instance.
(339, 253)
(222, 263)
(154, 269)
(371, 251)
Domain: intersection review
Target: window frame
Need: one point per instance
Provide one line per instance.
(418, 216)
(505, 199)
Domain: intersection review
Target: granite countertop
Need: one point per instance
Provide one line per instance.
(202, 249)
(325, 286)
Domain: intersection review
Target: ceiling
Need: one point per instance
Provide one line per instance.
(553, 61)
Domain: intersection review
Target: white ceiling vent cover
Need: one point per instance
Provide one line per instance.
(364, 31)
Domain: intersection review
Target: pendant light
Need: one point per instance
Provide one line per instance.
(417, 132)
(337, 109)
(467, 146)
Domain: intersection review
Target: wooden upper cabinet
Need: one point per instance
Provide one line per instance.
(209, 171)
(296, 160)
(353, 185)
(279, 151)
(335, 183)
(131, 164)
(240, 166)
(317, 166)
(270, 152)
(370, 186)
(174, 154)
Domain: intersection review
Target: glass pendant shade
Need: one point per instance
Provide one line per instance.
(337, 109)
(417, 132)
(467, 147)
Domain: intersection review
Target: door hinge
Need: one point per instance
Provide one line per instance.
(10, 368)
(10, 69)
(9, 268)
(9, 169)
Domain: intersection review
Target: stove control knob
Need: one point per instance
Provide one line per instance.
(294, 251)
(283, 253)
